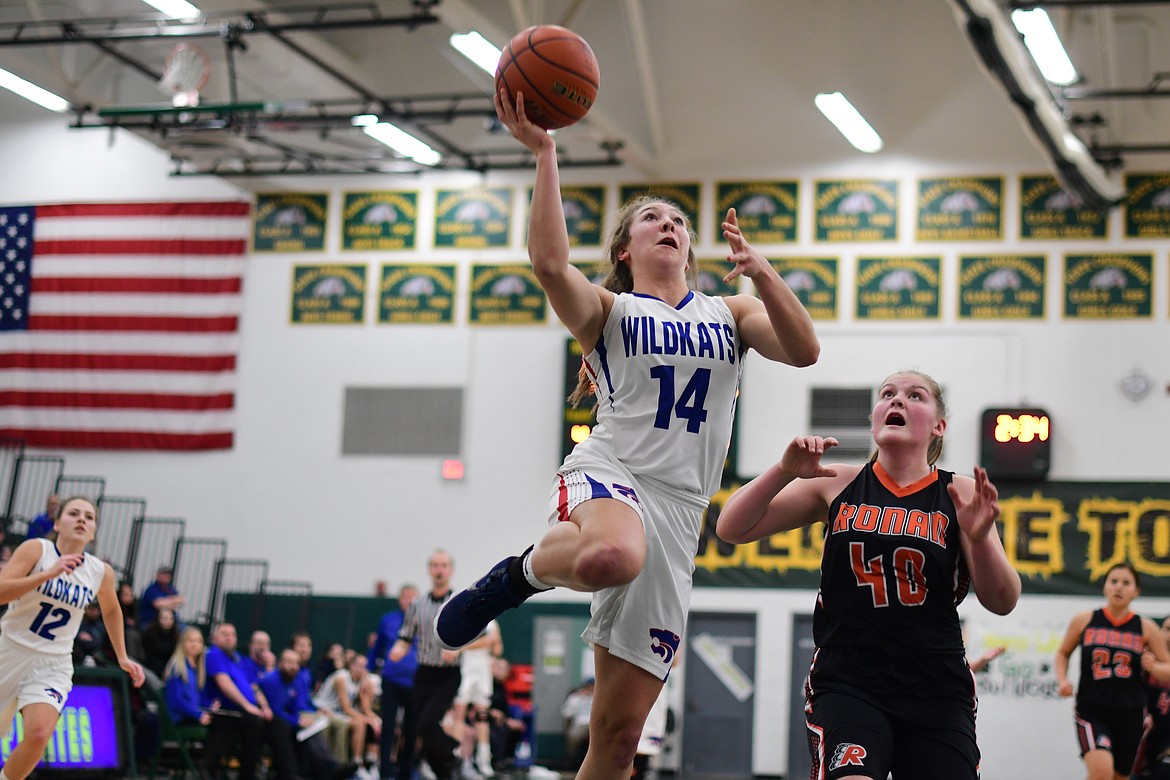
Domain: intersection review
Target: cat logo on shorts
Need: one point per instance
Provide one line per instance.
(626, 491)
(847, 754)
(664, 643)
(55, 695)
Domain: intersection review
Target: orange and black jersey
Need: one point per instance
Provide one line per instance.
(1111, 662)
(892, 571)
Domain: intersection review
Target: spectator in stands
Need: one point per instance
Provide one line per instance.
(397, 680)
(506, 729)
(159, 641)
(260, 660)
(129, 603)
(186, 675)
(160, 594)
(42, 525)
(240, 713)
(91, 637)
(339, 696)
(332, 661)
(576, 710)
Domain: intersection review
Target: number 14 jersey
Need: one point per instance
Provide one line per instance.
(48, 617)
(892, 570)
(666, 379)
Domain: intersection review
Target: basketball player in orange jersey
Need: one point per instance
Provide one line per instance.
(889, 689)
(47, 585)
(1111, 698)
(627, 504)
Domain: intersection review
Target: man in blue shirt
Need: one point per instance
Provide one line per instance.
(293, 708)
(42, 525)
(257, 662)
(158, 595)
(397, 681)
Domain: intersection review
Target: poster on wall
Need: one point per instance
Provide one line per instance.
(815, 281)
(595, 270)
(960, 208)
(1147, 205)
(476, 218)
(576, 422)
(382, 220)
(584, 213)
(1108, 286)
(290, 222)
(328, 294)
(1048, 211)
(898, 288)
(1062, 537)
(850, 210)
(1001, 287)
(766, 210)
(710, 272)
(685, 194)
(416, 294)
(506, 294)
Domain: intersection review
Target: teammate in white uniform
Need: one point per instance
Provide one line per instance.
(628, 502)
(47, 586)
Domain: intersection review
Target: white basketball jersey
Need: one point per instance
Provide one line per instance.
(667, 379)
(47, 618)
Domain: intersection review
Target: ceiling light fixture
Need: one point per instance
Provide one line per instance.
(400, 141)
(30, 91)
(175, 9)
(478, 49)
(1042, 41)
(838, 110)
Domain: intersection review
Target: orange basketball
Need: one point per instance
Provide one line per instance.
(555, 69)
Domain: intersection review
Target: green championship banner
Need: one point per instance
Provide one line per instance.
(1047, 211)
(1001, 287)
(576, 423)
(711, 272)
(380, 220)
(685, 194)
(898, 288)
(596, 270)
(1108, 286)
(506, 295)
(962, 208)
(290, 222)
(416, 293)
(1147, 205)
(815, 280)
(766, 210)
(473, 218)
(329, 294)
(1062, 537)
(584, 213)
(856, 210)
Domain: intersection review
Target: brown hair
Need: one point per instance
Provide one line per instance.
(52, 535)
(621, 279)
(935, 448)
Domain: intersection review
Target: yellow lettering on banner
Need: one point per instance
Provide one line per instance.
(1032, 534)
(796, 550)
(1109, 524)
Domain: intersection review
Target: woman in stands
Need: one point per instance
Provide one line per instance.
(186, 674)
(46, 586)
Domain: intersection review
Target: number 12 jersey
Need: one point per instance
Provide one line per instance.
(47, 618)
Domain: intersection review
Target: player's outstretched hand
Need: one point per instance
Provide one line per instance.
(802, 457)
(134, 669)
(977, 516)
(748, 261)
(513, 116)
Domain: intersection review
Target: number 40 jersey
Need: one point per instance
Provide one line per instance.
(47, 618)
(667, 378)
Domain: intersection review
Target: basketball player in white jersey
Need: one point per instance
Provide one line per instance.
(627, 504)
(47, 585)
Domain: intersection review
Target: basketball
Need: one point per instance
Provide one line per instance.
(555, 69)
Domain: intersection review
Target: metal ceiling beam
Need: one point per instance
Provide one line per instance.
(1022, 4)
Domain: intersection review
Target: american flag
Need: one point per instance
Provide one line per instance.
(119, 324)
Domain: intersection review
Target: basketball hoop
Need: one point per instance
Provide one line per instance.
(186, 72)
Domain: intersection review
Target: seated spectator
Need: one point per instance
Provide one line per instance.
(576, 711)
(91, 638)
(129, 603)
(339, 697)
(259, 660)
(159, 641)
(332, 661)
(186, 675)
(42, 525)
(506, 727)
(160, 594)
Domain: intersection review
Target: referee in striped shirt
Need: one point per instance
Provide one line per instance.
(437, 680)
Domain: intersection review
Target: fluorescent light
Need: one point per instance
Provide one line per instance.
(1041, 39)
(838, 110)
(364, 120)
(402, 142)
(30, 91)
(175, 9)
(478, 49)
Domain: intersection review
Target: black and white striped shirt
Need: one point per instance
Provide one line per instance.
(418, 626)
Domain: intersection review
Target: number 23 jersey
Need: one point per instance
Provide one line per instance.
(48, 617)
(892, 571)
(666, 379)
